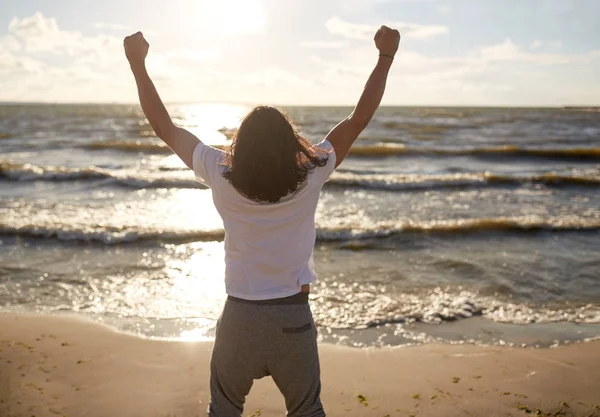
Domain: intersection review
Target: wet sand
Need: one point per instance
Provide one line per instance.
(67, 366)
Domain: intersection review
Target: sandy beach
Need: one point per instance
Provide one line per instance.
(67, 366)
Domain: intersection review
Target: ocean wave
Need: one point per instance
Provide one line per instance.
(383, 149)
(591, 109)
(343, 306)
(506, 224)
(435, 127)
(29, 172)
(129, 145)
(148, 146)
(391, 149)
(401, 182)
(343, 178)
(417, 128)
(111, 234)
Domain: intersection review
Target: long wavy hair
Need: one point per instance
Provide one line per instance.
(268, 158)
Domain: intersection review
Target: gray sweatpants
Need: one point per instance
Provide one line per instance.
(255, 339)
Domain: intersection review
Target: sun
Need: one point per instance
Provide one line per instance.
(244, 16)
(228, 17)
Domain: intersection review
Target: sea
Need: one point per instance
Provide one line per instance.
(443, 225)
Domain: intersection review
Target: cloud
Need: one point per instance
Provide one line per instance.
(270, 77)
(509, 51)
(416, 31)
(536, 44)
(11, 64)
(505, 51)
(34, 26)
(40, 60)
(40, 34)
(337, 26)
(9, 43)
(111, 26)
(36, 45)
(123, 29)
(193, 56)
(350, 66)
(503, 73)
(360, 31)
(36, 65)
(322, 44)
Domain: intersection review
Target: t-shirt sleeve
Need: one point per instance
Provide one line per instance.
(322, 174)
(205, 163)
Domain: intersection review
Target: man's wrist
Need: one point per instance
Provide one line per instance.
(384, 61)
(138, 66)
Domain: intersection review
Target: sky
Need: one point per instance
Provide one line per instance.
(304, 52)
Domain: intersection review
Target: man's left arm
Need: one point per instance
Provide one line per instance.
(179, 140)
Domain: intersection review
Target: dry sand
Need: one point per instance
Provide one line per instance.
(65, 366)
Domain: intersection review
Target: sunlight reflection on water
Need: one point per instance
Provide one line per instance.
(200, 280)
(206, 119)
(199, 284)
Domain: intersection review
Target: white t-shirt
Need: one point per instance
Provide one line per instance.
(268, 246)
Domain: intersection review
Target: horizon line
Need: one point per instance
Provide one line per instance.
(86, 103)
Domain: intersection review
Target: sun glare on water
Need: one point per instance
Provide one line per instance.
(211, 122)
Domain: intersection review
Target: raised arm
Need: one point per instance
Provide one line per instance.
(179, 140)
(345, 133)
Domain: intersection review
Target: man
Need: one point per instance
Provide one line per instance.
(266, 187)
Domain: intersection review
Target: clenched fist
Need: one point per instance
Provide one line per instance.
(136, 48)
(387, 40)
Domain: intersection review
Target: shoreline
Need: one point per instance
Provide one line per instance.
(52, 365)
(475, 331)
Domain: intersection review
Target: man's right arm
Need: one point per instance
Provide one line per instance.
(345, 133)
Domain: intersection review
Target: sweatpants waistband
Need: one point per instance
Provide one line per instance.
(299, 298)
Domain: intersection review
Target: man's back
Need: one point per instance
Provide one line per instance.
(268, 246)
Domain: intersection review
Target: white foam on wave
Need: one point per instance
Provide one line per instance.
(385, 229)
(108, 235)
(133, 179)
(85, 229)
(343, 178)
(363, 306)
(400, 182)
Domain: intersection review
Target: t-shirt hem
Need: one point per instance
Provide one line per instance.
(257, 297)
